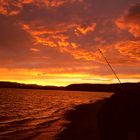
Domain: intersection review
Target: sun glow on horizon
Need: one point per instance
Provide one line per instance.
(64, 81)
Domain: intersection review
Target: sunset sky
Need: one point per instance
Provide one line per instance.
(55, 42)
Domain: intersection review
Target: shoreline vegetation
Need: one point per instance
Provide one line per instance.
(75, 87)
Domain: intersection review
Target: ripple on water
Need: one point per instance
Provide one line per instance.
(27, 113)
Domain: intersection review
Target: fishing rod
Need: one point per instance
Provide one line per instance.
(110, 66)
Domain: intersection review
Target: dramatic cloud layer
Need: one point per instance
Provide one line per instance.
(131, 20)
(57, 41)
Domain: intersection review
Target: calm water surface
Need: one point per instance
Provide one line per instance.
(32, 114)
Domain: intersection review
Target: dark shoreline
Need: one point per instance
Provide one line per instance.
(113, 118)
(83, 122)
(75, 87)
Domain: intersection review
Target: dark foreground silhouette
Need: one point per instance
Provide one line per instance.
(83, 122)
(119, 118)
(115, 118)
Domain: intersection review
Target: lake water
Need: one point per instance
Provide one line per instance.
(30, 114)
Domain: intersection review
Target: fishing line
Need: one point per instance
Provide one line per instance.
(110, 66)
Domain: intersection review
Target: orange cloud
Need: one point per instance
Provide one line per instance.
(50, 37)
(129, 49)
(35, 28)
(131, 20)
(34, 49)
(54, 3)
(122, 53)
(12, 8)
(55, 39)
(54, 36)
(84, 29)
(9, 7)
(82, 54)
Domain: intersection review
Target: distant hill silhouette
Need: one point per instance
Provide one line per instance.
(104, 87)
(26, 86)
(119, 117)
(75, 87)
